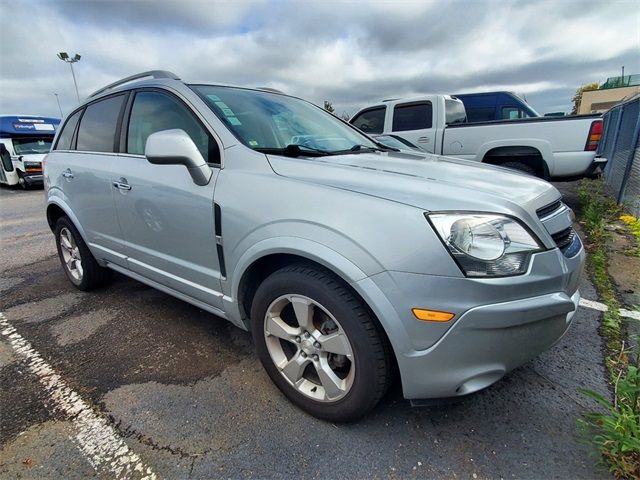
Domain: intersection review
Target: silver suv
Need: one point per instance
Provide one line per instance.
(347, 260)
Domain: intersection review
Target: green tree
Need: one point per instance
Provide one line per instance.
(577, 98)
(328, 106)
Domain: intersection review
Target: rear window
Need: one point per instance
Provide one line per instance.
(66, 134)
(98, 125)
(455, 112)
(412, 116)
(370, 121)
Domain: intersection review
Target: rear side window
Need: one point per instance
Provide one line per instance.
(481, 114)
(370, 121)
(412, 116)
(98, 125)
(154, 111)
(511, 113)
(66, 134)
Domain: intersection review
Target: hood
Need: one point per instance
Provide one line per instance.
(429, 182)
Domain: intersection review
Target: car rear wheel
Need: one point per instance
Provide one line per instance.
(319, 344)
(77, 261)
(520, 166)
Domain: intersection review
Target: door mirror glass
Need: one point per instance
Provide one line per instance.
(175, 147)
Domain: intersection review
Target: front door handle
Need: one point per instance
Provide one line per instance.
(423, 139)
(67, 173)
(122, 184)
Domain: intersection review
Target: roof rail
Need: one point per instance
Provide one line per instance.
(269, 89)
(137, 76)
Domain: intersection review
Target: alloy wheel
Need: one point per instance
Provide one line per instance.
(71, 254)
(309, 348)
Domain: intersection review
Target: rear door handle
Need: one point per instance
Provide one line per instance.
(67, 173)
(122, 184)
(423, 139)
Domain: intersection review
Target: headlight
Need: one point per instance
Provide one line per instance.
(485, 245)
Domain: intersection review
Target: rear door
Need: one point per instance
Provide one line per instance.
(80, 166)
(415, 122)
(167, 220)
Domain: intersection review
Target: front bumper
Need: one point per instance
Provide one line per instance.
(32, 179)
(489, 341)
(499, 324)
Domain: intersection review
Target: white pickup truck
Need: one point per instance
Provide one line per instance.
(548, 147)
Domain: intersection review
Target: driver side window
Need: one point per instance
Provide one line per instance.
(154, 112)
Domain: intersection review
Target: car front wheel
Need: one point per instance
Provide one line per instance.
(319, 344)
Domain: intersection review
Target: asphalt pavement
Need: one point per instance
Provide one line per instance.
(179, 393)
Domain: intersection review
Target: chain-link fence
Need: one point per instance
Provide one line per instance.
(620, 145)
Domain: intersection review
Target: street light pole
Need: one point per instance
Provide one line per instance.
(59, 107)
(64, 56)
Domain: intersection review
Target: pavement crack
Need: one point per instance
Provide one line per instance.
(562, 390)
(129, 432)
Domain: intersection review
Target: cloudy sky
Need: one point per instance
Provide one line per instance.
(351, 53)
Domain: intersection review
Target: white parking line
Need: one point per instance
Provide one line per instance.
(603, 308)
(98, 441)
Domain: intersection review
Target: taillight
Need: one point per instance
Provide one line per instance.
(595, 133)
(44, 160)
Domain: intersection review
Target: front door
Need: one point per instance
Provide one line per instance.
(166, 219)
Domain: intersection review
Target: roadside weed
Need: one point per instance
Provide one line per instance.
(615, 431)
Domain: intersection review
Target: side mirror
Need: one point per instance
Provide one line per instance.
(175, 147)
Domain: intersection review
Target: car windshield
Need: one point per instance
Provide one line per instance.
(29, 146)
(274, 123)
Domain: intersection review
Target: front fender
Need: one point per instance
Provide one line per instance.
(301, 247)
(332, 260)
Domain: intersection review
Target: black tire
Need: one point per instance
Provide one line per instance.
(371, 350)
(93, 275)
(521, 167)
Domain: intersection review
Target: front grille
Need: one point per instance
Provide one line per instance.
(564, 239)
(549, 209)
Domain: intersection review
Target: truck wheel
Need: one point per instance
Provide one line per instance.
(319, 344)
(77, 261)
(520, 166)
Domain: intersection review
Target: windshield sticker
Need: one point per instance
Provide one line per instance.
(234, 121)
(221, 105)
(215, 98)
(228, 112)
(253, 143)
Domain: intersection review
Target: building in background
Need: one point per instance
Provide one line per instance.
(610, 93)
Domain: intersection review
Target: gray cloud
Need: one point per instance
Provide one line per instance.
(350, 53)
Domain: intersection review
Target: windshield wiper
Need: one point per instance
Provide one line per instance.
(359, 148)
(293, 150)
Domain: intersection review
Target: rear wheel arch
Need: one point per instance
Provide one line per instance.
(526, 155)
(54, 212)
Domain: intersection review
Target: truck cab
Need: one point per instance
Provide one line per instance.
(24, 141)
(488, 106)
